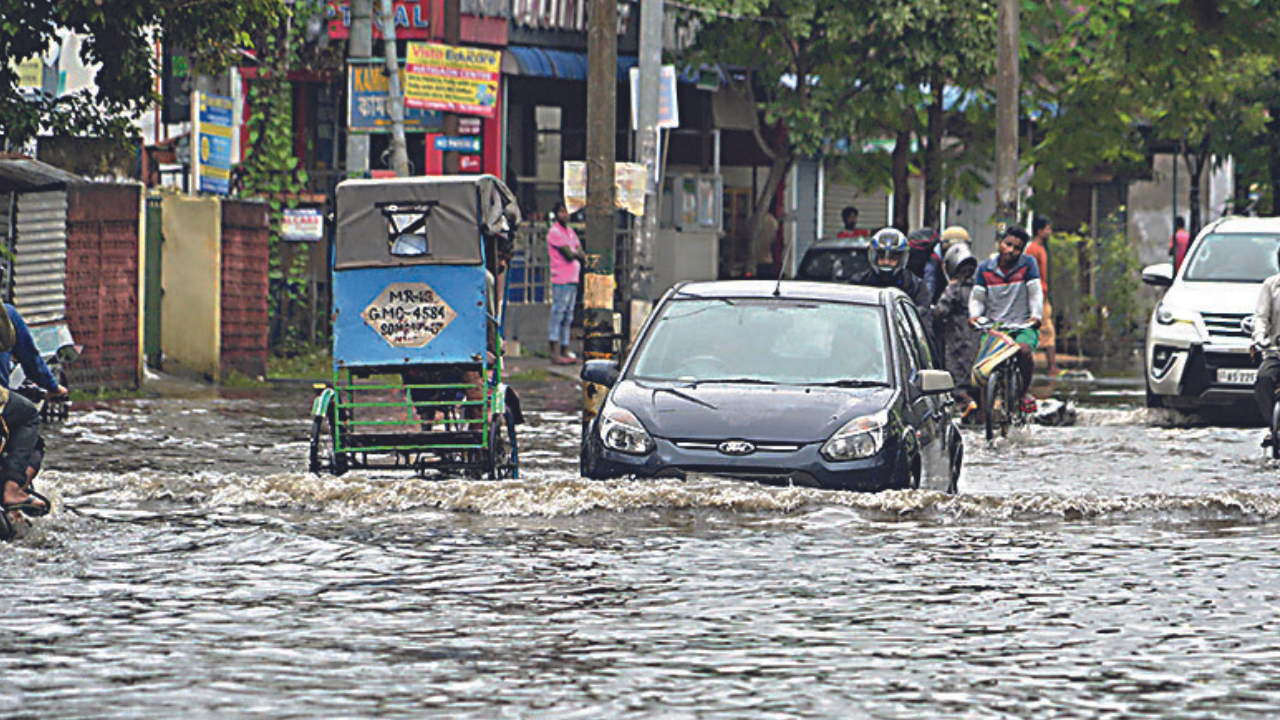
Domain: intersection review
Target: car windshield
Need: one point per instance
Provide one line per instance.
(1235, 257)
(775, 340)
(839, 264)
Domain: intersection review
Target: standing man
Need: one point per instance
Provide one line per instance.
(564, 252)
(1179, 243)
(1041, 229)
(1007, 289)
(851, 230)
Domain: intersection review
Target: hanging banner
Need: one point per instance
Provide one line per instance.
(367, 92)
(214, 123)
(452, 79)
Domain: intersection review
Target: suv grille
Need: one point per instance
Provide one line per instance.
(1225, 325)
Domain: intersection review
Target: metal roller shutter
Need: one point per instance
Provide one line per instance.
(40, 262)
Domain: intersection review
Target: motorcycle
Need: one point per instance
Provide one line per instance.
(57, 349)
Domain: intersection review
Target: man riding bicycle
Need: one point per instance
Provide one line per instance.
(1007, 289)
(1266, 328)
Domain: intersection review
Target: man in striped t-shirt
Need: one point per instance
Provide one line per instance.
(1007, 289)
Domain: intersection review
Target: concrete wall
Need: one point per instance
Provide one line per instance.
(1153, 204)
(191, 280)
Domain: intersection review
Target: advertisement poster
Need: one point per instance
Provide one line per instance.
(211, 163)
(367, 91)
(628, 186)
(452, 79)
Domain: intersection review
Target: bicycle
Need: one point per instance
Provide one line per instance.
(996, 372)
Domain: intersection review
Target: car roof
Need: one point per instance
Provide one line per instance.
(839, 243)
(1245, 225)
(791, 289)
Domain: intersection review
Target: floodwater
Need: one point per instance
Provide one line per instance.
(1127, 566)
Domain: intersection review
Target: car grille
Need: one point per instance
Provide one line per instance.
(1225, 325)
(760, 447)
(1229, 360)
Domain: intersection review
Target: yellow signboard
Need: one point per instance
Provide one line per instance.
(452, 79)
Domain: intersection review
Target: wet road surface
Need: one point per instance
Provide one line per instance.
(1127, 566)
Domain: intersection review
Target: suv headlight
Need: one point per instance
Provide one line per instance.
(859, 438)
(1166, 315)
(621, 431)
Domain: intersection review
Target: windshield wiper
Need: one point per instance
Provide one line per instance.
(685, 396)
(734, 381)
(853, 383)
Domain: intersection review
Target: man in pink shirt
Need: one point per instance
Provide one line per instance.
(565, 255)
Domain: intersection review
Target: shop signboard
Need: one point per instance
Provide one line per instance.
(367, 92)
(302, 224)
(449, 143)
(461, 80)
(214, 124)
(668, 109)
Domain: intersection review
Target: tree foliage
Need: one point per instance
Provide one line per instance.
(1109, 78)
(118, 38)
(826, 71)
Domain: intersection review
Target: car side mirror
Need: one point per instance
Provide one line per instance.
(600, 372)
(936, 382)
(1159, 275)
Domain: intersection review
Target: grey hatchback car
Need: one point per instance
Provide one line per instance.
(792, 383)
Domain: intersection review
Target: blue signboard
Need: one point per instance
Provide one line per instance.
(214, 124)
(367, 91)
(450, 143)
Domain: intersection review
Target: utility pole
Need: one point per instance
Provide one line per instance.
(1007, 102)
(359, 48)
(601, 325)
(395, 98)
(452, 37)
(641, 281)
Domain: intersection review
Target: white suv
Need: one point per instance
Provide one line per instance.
(1198, 339)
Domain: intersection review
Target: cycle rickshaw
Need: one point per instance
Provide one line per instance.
(417, 330)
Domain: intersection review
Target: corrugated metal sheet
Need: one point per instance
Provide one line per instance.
(873, 208)
(40, 257)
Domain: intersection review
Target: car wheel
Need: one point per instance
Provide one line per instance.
(589, 457)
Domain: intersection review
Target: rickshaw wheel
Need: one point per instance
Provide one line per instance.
(502, 448)
(6, 527)
(323, 441)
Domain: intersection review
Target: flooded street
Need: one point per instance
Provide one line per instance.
(1127, 566)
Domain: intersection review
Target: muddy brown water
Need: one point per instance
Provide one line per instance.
(1128, 566)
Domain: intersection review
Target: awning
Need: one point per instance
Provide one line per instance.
(559, 64)
(23, 174)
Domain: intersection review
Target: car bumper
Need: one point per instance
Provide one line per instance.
(803, 466)
(1196, 374)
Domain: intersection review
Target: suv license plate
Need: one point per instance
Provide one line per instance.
(1237, 376)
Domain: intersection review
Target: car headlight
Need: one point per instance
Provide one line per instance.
(621, 431)
(1166, 315)
(859, 438)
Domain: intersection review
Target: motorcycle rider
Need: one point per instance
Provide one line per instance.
(1266, 328)
(23, 447)
(887, 255)
(1007, 289)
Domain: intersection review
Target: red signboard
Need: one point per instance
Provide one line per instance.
(421, 20)
(469, 163)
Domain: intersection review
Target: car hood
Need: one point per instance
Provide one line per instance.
(1213, 297)
(772, 413)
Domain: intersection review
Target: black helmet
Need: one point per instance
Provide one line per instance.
(959, 255)
(886, 244)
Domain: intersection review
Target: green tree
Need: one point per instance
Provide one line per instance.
(825, 70)
(1113, 75)
(119, 36)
